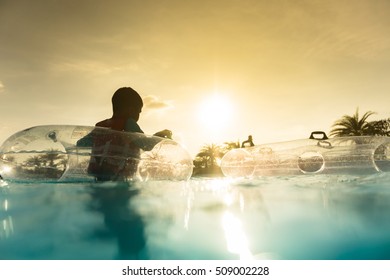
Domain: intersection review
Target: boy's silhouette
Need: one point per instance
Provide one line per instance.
(116, 156)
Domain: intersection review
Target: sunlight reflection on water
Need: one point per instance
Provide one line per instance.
(318, 217)
(236, 239)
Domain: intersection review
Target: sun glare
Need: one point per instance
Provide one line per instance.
(215, 112)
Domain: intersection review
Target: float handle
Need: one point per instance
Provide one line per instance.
(317, 134)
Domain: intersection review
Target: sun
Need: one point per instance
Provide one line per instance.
(215, 112)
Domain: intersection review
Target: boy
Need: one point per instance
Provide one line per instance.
(115, 156)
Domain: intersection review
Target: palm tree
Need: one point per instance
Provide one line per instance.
(352, 125)
(209, 154)
(230, 146)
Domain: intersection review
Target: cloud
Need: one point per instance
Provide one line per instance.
(152, 102)
(1, 87)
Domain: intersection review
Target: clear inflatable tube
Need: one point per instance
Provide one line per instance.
(64, 153)
(344, 155)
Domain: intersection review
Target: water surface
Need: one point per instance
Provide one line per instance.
(302, 217)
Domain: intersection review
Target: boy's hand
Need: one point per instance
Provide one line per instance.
(166, 133)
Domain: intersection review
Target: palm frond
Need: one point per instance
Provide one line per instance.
(352, 125)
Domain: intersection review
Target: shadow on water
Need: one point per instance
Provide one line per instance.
(121, 219)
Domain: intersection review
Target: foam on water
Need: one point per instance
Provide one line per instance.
(310, 217)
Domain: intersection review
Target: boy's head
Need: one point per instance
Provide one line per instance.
(126, 102)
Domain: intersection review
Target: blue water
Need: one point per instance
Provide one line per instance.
(303, 217)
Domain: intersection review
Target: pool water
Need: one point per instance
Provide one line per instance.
(288, 218)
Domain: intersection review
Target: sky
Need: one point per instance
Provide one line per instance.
(212, 71)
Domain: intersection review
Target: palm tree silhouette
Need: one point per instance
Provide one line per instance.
(352, 125)
(209, 154)
(230, 146)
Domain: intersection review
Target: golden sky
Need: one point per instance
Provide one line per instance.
(279, 69)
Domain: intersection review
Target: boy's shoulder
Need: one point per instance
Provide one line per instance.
(132, 126)
(113, 123)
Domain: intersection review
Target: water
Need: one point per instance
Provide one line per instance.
(303, 217)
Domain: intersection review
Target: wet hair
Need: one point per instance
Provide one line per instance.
(124, 98)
